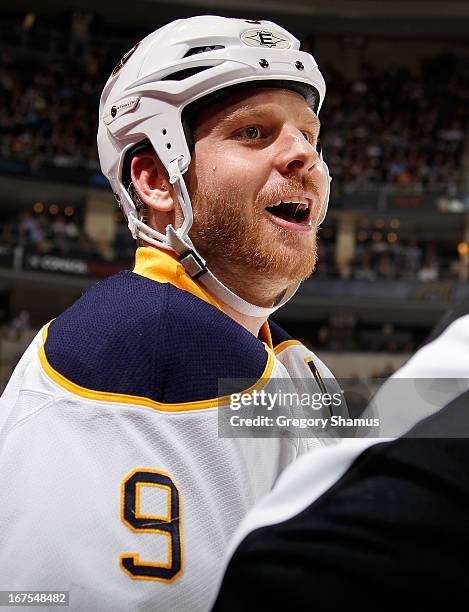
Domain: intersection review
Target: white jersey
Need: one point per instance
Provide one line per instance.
(115, 483)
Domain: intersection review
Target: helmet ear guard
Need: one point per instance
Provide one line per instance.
(152, 102)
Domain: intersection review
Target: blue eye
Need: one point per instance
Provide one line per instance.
(251, 132)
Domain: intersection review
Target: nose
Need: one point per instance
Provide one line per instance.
(295, 155)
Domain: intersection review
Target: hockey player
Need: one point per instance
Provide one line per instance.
(115, 484)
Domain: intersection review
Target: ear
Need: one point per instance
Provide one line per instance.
(151, 182)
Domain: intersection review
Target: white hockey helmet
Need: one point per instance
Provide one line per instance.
(149, 94)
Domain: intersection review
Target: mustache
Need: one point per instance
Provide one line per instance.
(277, 192)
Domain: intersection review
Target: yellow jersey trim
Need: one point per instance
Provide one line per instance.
(163, 266)
(265, 335)
(108, 396)
(283, 345)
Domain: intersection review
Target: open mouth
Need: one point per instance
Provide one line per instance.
(294, 210)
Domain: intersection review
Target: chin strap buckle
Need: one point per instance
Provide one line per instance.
(194, 264)
(174, 170)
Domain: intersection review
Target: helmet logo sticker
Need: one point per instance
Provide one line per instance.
(124, 60)
(129, 104)
(265, 38)
(120, 109)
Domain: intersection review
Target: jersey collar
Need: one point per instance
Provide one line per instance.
(163, 266)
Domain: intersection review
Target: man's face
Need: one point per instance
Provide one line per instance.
(252, 151)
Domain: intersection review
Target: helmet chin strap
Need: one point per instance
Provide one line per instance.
(195, 265)
(197, 269)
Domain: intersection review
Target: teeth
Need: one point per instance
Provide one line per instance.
(302, 203)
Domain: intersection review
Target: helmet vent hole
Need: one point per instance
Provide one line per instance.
(196, 50)
(168, 145)
(180, 75)
(164, 131)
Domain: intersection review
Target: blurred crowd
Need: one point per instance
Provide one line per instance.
(48, 117)
(43, 235)
(413, 259)
(384, 338)
(396, 127)
(64, 236)
(409, 260)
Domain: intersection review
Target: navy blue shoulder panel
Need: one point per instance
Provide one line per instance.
(278, 334)
(134, 336)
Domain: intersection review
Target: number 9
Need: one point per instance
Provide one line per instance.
(170, 526)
